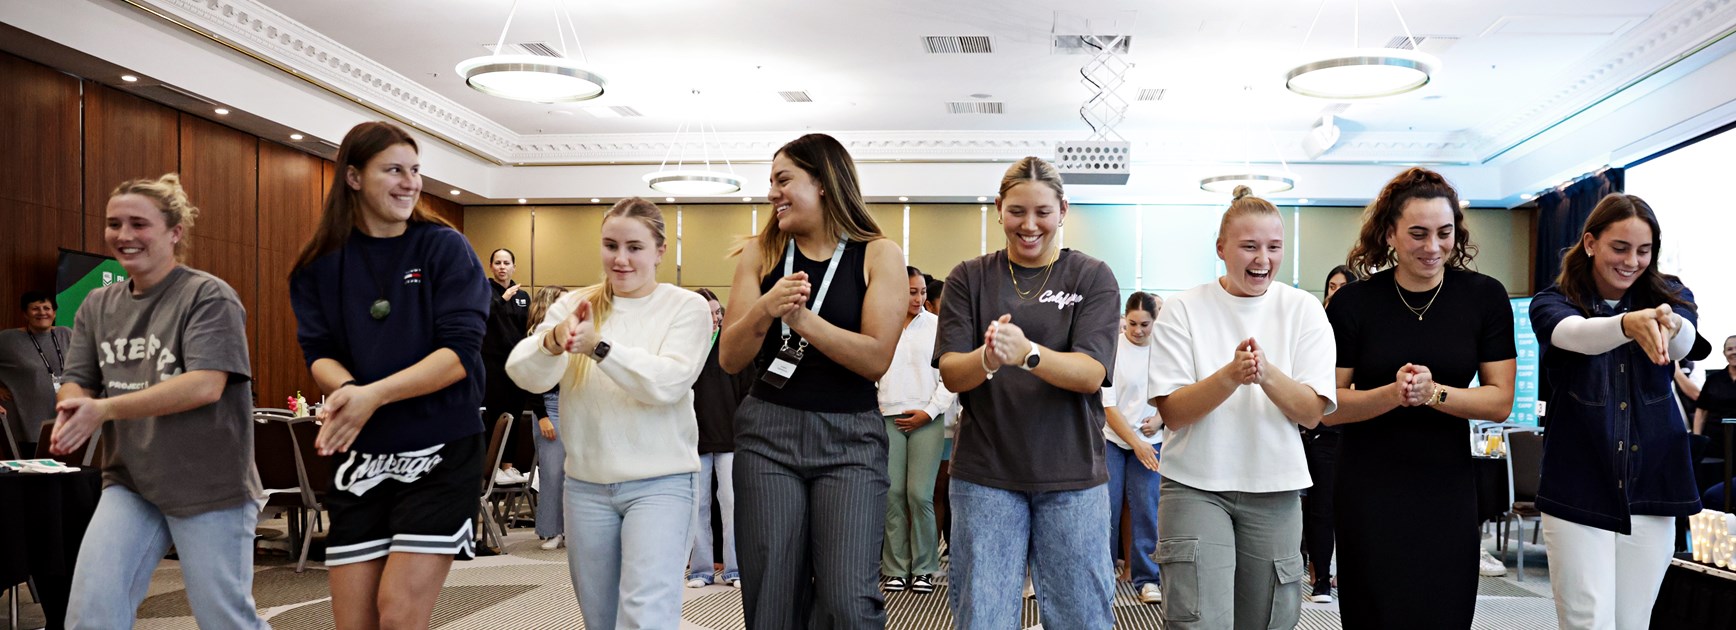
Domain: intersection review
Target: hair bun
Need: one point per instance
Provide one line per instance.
(1240, 192)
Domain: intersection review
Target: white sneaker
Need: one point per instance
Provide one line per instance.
(697, 583)
(1490, 566)
(1030, 589)
(1151, 594)
(735, 583)
(559, 540)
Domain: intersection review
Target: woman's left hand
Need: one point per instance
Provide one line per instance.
(912, 420)
(342, 417)
(582, 334)
(1008, 342)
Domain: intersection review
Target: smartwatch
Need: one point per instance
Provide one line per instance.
(601, 351)
(1032, 359)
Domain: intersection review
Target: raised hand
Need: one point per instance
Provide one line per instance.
(581, 328)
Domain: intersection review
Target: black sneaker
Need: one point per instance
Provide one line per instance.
(1322, 592)
(922, 583)
(894, 585)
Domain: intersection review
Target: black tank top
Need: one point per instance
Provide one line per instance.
(820, 384)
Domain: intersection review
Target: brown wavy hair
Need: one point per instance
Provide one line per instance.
(342, 204)
(843, 213)
(1371, 252)
(1578, 280)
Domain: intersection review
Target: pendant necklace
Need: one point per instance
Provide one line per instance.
(1425, 308)
(381, 306)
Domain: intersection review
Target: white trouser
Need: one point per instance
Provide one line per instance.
(1604, 580)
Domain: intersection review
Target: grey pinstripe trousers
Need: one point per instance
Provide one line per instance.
(810, 516)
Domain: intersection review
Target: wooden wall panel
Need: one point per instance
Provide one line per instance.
(451, 211)
(29, 250)
(38, 135)
(290, 198)
(125, 137)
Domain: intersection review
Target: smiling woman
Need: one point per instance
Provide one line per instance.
(389, 304)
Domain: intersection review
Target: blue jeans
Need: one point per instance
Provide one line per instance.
(128, 536)
(551, 462)
(1132, 481)
(699, 565)
(627, 558)
(1000, 532)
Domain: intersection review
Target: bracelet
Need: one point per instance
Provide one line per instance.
(547, 337)
(984, 357)
(1434, 396)
(346, 384)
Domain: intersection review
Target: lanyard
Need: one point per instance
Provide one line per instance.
(826, 283)
(44, 356)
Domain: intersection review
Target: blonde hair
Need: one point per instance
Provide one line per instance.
(540, 303)
(843, 213)
(1032, 169)
(1243, 203)
(601, 295)
(168, 195)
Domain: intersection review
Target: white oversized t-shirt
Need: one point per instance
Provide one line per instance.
(1127, 396)
(1245, 444)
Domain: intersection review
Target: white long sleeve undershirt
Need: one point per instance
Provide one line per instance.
(1598, 335)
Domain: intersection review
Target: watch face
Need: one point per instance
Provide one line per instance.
(1032, 360)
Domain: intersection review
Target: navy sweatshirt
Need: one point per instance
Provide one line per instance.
(439, 299)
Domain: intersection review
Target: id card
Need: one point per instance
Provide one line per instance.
(782, 368)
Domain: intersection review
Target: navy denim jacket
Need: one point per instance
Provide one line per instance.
(1615, 443)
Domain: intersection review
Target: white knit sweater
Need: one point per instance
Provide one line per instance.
(632, 416)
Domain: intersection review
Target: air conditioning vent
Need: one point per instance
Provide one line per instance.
(796, 97)
(1090, 44)
(1402, 42)
(975, 107)
(1151, 94)
(540, 49)
(957, 44)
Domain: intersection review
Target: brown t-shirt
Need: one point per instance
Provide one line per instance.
(1021, 433)
(184, 463)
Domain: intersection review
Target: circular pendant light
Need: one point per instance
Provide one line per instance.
(1363, 74)
(1261, 183)
(689, 182)
(531, 78)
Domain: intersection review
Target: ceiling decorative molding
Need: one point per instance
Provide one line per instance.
(258, 31)
(1664, 39)
(263, 33)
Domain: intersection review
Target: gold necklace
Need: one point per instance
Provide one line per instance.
(1414, 310)
(1026, 295)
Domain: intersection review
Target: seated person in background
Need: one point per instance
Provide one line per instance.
(32, 359)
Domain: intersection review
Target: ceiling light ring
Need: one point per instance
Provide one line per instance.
(1423, 66)
(1262, 183)
(476, 67)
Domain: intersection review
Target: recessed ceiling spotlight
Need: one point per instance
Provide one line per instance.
(521, 199)
(456, 192)
(1464, 203)
(904, 199)
(669, 199)
(222, 111)
(296, 136)
(129, 78)
(1525, 196)
(747, 198)
(1302, 200)
(596, 200)
(982, 199)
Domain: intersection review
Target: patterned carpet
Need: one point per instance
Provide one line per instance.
(529, 589)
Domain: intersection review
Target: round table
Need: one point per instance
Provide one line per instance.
(45, 518)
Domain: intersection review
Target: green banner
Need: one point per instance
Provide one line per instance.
(77, 275)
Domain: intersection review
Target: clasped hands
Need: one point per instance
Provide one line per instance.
(787, 298)
(576, 334)
(1004, 343)
(1248, 367)
(1652, 329)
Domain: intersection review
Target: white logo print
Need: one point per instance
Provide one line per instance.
(357, 477)
(1061, 299)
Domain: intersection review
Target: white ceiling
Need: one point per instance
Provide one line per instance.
(864, 65)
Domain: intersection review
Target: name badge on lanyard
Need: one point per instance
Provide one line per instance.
(788, 358)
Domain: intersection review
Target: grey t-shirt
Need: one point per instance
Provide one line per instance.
(1023, 434)
(26, 360)
(185, 463)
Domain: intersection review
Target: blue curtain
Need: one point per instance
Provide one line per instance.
(1561, 216)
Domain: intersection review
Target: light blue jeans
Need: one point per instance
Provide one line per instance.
(626, 558)
(699, 565)
(128, 536)
(551, 462)
(1059, 535)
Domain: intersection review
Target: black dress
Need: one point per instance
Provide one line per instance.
(1406, 495)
